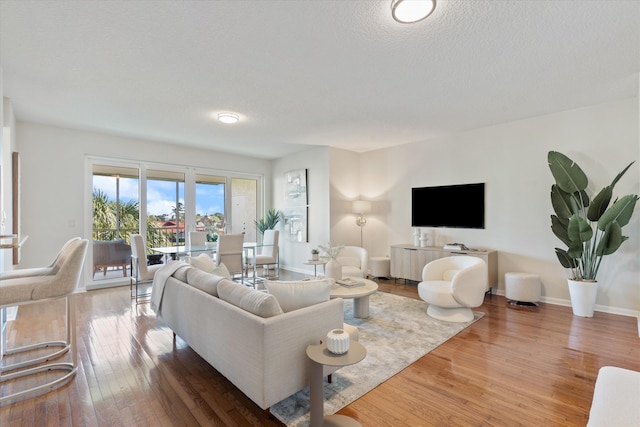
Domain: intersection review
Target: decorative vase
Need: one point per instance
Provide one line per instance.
(333, 269)
(583, 296)
(338, 341)
(416, 237)
(423, 240)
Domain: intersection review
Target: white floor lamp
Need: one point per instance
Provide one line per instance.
(361, 207)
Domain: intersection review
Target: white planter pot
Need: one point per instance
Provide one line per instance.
(333, 270)
(583, 297)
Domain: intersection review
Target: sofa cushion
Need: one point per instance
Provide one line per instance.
(292, 295)
(205, 263)
(204, 281)
(259, 303)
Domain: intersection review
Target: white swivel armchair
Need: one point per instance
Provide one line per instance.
(19, 287)
(268, 256)
(141, 271)
(231, 253)
(354, 261)
(452, 286)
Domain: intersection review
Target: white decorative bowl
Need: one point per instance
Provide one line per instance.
(338, 341)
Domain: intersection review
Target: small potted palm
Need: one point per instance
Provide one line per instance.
(591, 228)
(315, 254)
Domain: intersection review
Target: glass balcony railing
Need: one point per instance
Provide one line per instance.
(156, 237)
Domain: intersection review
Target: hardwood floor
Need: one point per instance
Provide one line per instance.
(513, 367)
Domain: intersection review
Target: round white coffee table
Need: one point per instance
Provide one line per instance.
(360, 295)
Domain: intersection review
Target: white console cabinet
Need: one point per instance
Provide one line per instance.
(407, 261)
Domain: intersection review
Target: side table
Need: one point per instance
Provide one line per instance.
(316, 264)
(320, 355)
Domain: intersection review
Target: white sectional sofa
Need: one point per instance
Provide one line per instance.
(265, 357)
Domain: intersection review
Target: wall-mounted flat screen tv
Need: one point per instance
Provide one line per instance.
(453, 206)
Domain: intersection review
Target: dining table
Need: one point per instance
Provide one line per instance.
(176, 252)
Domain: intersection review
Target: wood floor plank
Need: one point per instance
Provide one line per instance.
(513, 367)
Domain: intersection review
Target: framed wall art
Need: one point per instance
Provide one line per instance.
(295, 192)
(295, 224)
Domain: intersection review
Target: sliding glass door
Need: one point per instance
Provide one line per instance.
(244, 200)
(209, 202)
(165, 208)
(165, 202)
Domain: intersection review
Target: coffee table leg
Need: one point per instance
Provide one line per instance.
(361, 307)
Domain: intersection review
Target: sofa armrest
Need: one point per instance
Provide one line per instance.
(615, 398)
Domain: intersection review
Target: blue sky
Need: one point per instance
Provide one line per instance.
(161, 195)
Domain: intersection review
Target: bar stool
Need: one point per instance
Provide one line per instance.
(32, 285)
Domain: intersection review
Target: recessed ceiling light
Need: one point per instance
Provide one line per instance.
(228, 118)
(410, 11)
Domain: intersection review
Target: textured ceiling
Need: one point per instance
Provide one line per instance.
(300, 73)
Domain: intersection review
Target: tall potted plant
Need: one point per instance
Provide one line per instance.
(269, 221)
(590, 228)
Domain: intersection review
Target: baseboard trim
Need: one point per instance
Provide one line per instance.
(600, 308)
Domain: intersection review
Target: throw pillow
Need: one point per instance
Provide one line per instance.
(205, 263)
(204, 281)
(259, 303)
(292, 295)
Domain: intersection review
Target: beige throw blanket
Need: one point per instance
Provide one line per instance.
(160, 279)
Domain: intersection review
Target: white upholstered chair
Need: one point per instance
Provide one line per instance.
(230, 252)
(354, 261)
(141, 271)
(452, 286)
(25, 286)
(268, 255)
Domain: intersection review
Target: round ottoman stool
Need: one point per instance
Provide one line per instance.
(380, 267)
(522, 288)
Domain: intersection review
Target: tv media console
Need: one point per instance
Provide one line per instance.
(407, 261)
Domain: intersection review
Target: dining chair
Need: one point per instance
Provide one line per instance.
(230, 252)
(268, 256)
(198, 238)
(142, 273)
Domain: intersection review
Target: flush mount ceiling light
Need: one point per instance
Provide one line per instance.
(229, 118)
(410, 11)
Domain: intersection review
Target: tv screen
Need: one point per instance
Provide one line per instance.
(453, 206)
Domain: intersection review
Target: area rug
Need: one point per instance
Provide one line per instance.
(397, 333)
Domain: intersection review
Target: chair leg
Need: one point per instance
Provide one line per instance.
(71, 367)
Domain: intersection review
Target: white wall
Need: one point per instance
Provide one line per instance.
(7, 146)
(511, 159)
(54, 203)
(345, 187)
(316, 161)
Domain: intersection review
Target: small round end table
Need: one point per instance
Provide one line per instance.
(320, 356)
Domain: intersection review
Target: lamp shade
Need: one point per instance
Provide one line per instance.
(361, 206)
